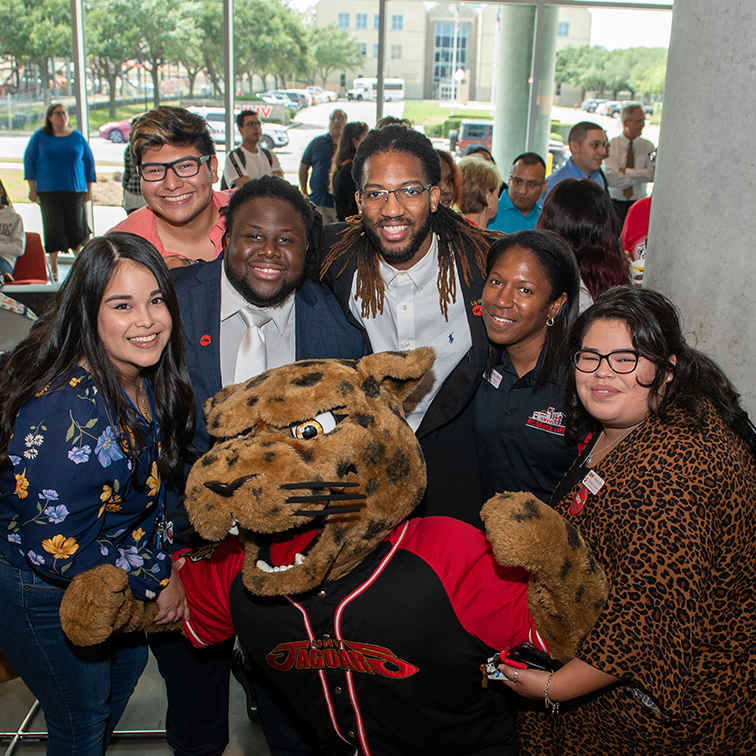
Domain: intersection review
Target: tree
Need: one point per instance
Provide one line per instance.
(582, 67)
(332, 49)
(112, 31)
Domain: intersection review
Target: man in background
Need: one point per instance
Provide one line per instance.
(518, 206)
(317, 157)
(248, 161)
(588, 148)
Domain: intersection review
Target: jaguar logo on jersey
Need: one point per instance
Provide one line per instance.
(548, 420)
(333, 654)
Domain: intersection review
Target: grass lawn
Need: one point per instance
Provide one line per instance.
(101, 116)
(13, 181)
(429, 112)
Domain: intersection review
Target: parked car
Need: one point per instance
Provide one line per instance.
(613, 108)
(117, 131)
(590, 104)
(309, 99)
(294, 96)
(273, 135)
(326, 94)
(280, 99)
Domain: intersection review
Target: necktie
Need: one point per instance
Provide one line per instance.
(251, 359)
(629, 163)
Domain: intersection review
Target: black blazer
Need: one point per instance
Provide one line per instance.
(445, 432)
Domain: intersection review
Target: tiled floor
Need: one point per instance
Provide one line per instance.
(146, 710)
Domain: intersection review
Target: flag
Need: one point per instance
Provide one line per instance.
(456, 18)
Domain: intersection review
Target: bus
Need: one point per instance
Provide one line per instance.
(366, 88)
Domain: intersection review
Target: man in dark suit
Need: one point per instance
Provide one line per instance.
(410, 273)
(272, 233)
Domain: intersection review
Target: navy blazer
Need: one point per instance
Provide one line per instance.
(321, 331)
(445, 433)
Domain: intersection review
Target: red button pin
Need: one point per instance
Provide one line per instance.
(205, 340)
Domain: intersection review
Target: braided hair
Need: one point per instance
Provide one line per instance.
(452, 230)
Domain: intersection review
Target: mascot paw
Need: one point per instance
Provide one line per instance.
(568, 589)
(99, 602)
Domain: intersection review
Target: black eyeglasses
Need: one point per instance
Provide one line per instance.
(405, 195)
(621, 361)
(183, 168)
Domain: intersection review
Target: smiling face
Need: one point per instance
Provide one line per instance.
(176, 200)
(589, 154)
(446, 184)
(617, 401)
(401, 234)
(517, 301)
(266, 251)
(133, 321)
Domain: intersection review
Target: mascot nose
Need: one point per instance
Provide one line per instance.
(227, 489)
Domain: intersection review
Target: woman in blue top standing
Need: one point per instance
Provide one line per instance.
(59, 166)
(96, 414)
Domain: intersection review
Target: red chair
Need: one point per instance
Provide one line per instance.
(31, 267)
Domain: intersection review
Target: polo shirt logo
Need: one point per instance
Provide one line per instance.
(548, 420)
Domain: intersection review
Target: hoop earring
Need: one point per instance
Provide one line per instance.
(550, 322)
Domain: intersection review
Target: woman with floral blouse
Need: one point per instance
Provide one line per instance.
(96, 413)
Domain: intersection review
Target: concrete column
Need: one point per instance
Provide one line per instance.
(512, 96)
(544, 87)
(703, 224)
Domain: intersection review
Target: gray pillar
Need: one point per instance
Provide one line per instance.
(512, 96)
(703, 224)
(544, 86)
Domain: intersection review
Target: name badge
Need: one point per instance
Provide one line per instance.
(593, 482)
(495, 378)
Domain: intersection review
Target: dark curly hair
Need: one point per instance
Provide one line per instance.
(558, 265)
(654, 325)
(581, 212)
(274, 187)
(67, 334)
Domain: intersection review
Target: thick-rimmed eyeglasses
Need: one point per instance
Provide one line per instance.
(405, 195)
(184, 168)
(620, 360)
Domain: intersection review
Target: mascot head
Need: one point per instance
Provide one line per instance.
(314, 464)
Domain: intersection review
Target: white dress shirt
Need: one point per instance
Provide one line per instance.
(279, 332)
(637, 177)
(412, 318)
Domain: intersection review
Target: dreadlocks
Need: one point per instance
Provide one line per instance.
(452, 230)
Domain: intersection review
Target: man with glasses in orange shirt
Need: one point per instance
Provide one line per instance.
(519, 206)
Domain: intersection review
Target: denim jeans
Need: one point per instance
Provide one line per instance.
(82, 691)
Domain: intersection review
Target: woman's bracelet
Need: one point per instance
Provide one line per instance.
(550, 705)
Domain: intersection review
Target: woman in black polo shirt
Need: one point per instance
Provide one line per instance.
(530, 301)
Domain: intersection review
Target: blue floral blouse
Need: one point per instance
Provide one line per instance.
(67, 496)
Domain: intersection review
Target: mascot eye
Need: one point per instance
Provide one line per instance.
(325, 422)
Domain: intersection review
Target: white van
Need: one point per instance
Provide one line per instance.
(366, 88)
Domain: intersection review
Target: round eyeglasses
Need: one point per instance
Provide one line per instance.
(405, 195)
(183, 168)
(621, 361)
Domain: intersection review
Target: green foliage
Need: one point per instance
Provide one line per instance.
(332, 49)
(635, 69)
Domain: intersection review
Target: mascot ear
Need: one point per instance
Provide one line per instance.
(398, 372)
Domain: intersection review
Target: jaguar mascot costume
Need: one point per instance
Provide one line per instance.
(373, 625)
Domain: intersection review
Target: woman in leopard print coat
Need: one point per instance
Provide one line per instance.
(665, 497)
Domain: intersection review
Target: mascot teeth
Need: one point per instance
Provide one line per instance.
(265, 567)
(234, 529)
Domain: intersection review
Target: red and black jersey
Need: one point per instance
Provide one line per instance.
(385, 660)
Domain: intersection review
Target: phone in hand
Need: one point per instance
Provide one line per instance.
(528, 654)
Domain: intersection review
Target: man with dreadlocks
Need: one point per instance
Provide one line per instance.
(409, 272)
(250, 309)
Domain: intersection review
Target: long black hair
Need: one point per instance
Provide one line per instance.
(560, 268)
(654, 325)
(67, 334)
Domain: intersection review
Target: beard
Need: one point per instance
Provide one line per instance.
(404, 254)
(242, 285)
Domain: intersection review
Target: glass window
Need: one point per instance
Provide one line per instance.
(563, 29)
(445, 57)
(396, 52)
(375, 49)
(377, 21)
(343, 20)
(360, 21)
(364, 48)
(397, 23)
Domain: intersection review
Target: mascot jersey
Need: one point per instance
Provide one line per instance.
(385, 660)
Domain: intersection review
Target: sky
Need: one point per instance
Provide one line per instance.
(610, 28)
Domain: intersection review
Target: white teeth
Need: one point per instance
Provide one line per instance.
(265, 567)
(501, 320)
(269, 270)
(180, 198)
(234, 529)
(143, 339)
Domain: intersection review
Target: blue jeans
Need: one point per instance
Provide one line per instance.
(82, 691)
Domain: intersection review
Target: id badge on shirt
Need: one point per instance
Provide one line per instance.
(495, 378)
